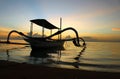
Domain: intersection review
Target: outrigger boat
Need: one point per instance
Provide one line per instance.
(47, 42)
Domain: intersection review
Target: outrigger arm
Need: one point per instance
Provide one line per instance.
(20, 33)
(75, 40)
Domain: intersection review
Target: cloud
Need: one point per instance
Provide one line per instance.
(3, 28)
(4, 31)
(115, 29)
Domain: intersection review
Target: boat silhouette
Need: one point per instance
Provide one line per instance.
(47, 42)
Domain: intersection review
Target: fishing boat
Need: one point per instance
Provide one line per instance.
(46, 42)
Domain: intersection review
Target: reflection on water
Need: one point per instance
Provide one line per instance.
(76, 58)
(44, 56)
(98, 56)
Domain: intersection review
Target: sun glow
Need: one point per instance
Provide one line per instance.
(89, 18)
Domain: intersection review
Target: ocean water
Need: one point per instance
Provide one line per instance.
(96, 56)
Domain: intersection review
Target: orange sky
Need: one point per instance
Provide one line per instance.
(98, 19)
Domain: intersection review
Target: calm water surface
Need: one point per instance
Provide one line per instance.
(97, 56)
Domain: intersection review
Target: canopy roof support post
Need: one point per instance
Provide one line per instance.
(31, 29)
(51, 32)
(60, 28)
(42, 31)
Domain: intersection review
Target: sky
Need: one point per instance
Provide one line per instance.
(93, 19)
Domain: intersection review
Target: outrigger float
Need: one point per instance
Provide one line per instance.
(47, 42)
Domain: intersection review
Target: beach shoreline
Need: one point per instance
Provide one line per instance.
(13, 70)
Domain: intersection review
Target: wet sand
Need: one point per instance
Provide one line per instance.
(13, 70)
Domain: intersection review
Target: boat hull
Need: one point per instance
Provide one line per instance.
(45, 44)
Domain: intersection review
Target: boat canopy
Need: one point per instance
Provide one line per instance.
(44, 23)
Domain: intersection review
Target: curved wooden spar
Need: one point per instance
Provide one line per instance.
(5, 42)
